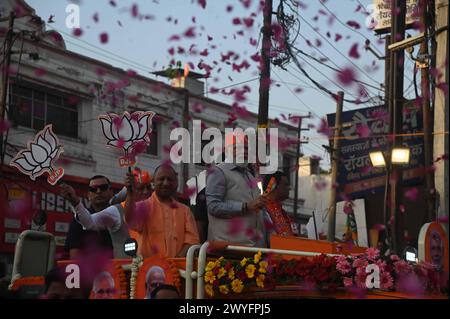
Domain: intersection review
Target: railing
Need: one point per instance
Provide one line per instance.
(189, 274)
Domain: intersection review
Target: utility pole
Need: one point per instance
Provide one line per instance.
(441, 109)
(387, 90)
(398, 16)
(5, 79)
(335, 156)
(264, 82)
(424, 66)
(297, 156)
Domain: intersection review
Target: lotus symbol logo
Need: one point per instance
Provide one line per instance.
(127, 131)
(39, 156)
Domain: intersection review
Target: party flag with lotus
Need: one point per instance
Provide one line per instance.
(39, 157)
(127, 132)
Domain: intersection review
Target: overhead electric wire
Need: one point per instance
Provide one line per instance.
(337, 50)
(348, 27)
(295, 95)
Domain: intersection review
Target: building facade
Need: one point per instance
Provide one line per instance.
(49, 84)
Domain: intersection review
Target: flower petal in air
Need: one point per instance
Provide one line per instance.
(39, 153)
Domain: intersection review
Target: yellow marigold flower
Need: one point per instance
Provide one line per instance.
(209, 290)
(237, 286)
(250, 271)
(222, 272)
(231, 273)
(263, 266)
(260, 281)
(210, 266)
(209, 277)
(257, 257)
(224, 289)
(244, 261)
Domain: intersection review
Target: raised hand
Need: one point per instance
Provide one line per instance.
(69, 193)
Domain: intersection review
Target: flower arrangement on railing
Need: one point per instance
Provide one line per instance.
(357, 271)
(224, 276)
(394, 273)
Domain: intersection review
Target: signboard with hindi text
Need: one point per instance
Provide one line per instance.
(380, 15)
(366, 130)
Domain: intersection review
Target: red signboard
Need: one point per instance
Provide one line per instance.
(23, 202)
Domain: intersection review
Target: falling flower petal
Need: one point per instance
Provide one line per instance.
(77, 32)
(202, 3)
(346, 76)
(353, 24)
(353, 53)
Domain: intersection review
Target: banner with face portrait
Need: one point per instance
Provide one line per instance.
(108, 281)
(156, 271)
(433, 246)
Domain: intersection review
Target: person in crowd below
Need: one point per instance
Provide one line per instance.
(112, 217)
(276, 190)
(99, 194)
(165, 292)
(233, 197)
(155, 277)
(56, 288)
(162, 224)
(103, 286)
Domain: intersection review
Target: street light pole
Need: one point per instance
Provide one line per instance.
(335, 155)
(264, 82)
(426, 111)
(398, 15)
(297, 158)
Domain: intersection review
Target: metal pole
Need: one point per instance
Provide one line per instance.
(297, 156)
(185, 168)
(335, 155)
(297, 167)
(398, 13)
(264, 83)
(387, 90)
(427, 113)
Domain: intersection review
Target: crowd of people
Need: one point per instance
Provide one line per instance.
(150, 210)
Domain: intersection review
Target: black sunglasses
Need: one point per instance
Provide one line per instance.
(102, 188)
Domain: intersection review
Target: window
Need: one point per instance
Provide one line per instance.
(152, 149)
(35, 108)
